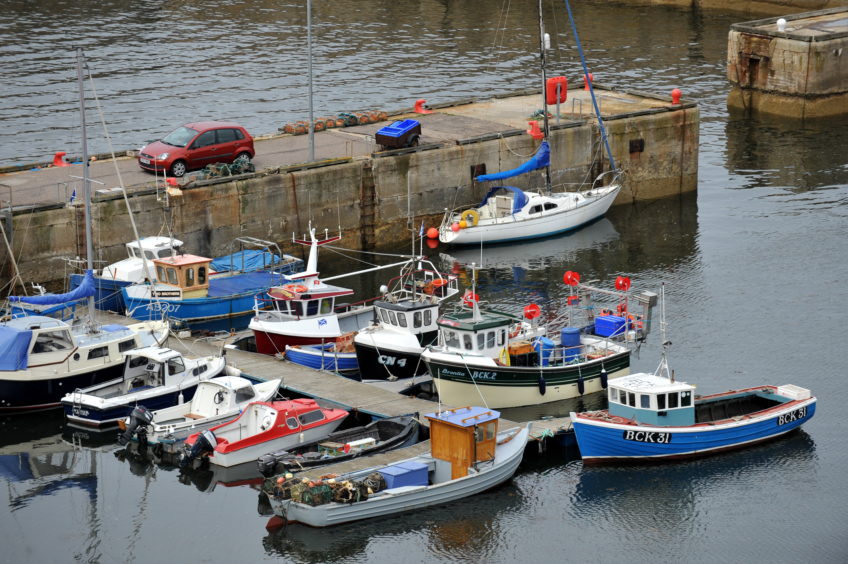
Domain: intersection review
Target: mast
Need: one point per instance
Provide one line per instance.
(86, 184)
(544, 44)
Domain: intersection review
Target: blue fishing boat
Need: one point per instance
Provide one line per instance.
(191, 292)
(654, 417)
(336, 356)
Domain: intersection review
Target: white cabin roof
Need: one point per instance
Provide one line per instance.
(156, 242)
(231, 382)
(156, 354)
(648, 384)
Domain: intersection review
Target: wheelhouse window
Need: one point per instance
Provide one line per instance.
(98, 352)
(685, 398)
(428, 317)
(244, 394)
(416, 319)
(452, 339)
(160, 273)
(644, 401)
(124, 346)
(172, 276)
(481, 340)
(613, 395)
(189, 276)
(660, 401)
(631, 399)
(201, 275)
(385, 315)
(326, 305)
(490, 339)
(175, 366)
(312, 307)
(467, 342)
(672, 400)
(311, 417)
(150, 255)
(52, 341)
(393, 318)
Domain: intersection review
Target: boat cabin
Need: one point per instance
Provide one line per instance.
(652, 400)
(301, 300)
(220, 394)
(463, 436)
(153, 248)
(188, 274)
(156, 366)
(487, 335)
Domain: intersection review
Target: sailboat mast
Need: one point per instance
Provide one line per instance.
(543, 45)
(86, 184)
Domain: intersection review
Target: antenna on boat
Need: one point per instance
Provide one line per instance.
(662, 369)
(544, 45)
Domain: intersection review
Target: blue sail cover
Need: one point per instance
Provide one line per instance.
(14, 344)
(541, 159)
(86, 289)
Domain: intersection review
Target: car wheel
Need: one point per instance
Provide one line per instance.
(178, 168)
(243, 158)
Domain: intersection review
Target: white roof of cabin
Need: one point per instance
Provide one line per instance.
(644, 383)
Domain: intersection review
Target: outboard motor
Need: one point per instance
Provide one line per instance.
(136, 422)
(205, 442)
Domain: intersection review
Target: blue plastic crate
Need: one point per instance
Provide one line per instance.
(609, 325)
(405, 474)
(399, 128)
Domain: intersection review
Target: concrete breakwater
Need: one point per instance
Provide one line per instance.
(368, 193)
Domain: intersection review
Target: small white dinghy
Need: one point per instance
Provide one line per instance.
(216, 401)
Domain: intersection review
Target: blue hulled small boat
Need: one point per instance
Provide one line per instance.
(337, 356)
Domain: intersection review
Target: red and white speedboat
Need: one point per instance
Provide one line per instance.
(261, 428)
(304, 311)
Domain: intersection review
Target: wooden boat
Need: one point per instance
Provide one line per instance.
(468, 456)
(654, 417)
(509, 361)
(156, 377)
(378, 436)
(41, 358)
(263, 427)
(215, 401)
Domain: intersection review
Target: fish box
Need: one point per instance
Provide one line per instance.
(520, 347)
(609, 325)
(399, 134)
(360, 444)
(794, 392)
(405, 474)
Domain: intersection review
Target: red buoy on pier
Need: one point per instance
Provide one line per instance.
(59, 159)
(675, 96)
(534, 130)
(419, 107)
(586, 82)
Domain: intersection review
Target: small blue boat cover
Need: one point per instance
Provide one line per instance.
(249, 282)
(245, 261)
(541, 159)
(86, 289)
(14, 344)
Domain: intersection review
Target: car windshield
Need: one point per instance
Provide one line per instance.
(180, 137)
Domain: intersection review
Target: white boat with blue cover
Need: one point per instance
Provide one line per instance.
(468, 456)
(156, 377)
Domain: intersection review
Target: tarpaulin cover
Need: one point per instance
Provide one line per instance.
(14, 344)
(86, 289)
(245, 261)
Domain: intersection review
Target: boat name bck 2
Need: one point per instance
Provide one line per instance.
(647, 437)
(799, 413)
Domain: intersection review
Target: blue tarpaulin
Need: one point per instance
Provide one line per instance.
(14, 344)
(518, 201)
(541, 159)
(245, 261)
(86, 289)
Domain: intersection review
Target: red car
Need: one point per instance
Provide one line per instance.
(195, 145)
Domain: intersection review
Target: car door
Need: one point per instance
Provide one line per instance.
(227, 142)
(203, 150)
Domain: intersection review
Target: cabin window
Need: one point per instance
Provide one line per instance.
(672, 400)
(292, 423)
(393, 317)
(312, 307)
(160, 273)
(198, 370)
(124, 346)
(613, 395)
(298, 308)
(428, 317)
(201, 275)
(631, 399)
(98, 352)
(536, 209)
(644, 401)
(501, 337)
(685, 398)
(326, 306)
(311, 417)
(416, 319)
(490, 339)
(550, 206)
(189, 277)
(490, 430)
(660, 401)
(131, 251)
(150, 255)
(402, 319)
(172, 277)
(175, 366)
(385, 315)
(481, 340)
(467, 342)
(137, 361)
(244, 394)
(452, 339)
(52, 341)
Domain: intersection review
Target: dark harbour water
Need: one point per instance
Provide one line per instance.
(755, 267)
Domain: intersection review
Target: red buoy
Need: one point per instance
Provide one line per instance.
(534, 130)
(675, 96)
(571, 278)
(622, 283)
(59, 159)
(532, 311)
(432, 233)
(419, 107)
(586, 82)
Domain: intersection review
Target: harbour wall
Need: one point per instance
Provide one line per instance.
(369, 197)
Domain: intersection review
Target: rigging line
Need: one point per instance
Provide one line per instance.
(367, 252)
(499, 29)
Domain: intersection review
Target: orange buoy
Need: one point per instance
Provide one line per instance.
(432, 233)
(534, 130)
(591, 79)
(420, 108)
(59, 159)
(675, 96)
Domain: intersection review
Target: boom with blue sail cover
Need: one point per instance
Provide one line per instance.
(84, 290)
(541, 159)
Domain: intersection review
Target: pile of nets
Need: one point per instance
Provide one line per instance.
(326, 489)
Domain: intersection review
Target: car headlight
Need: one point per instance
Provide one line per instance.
(162, 157)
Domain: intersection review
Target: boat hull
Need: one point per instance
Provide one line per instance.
(252, 452)
(389, 355)
(313, 356)
(507, 459)
(34, 394)
(600, 441)
(509, 228)
(82, 414)
(273, 335)
(463, 380)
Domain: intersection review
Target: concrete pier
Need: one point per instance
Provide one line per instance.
(797, 68)
(370, 192)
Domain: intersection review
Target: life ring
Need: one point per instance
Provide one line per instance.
(515, 331)
(296, 288)
(471, 217)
